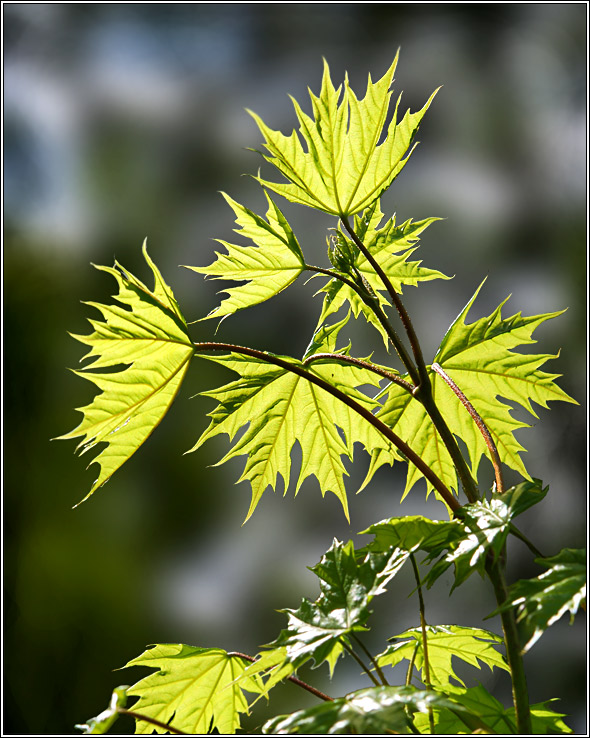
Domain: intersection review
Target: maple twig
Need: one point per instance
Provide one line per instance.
(291, 678)
(423, 388)
(385, 430)
(491, 446)
(395, 378)
(373, 303)
(495, 571)
(483, 429)
(424, 636)
(372, 659)
(153, 721)
(350, 650)
(422, 377)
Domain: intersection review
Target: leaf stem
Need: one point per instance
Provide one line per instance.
(395, 378)
(373, 303)
(153, 721)
(291, 678)
(423, 387)
(422, 376)
(487, 436)
(301, 371)
(424, 636)
(411, 665)
(350, 650)
(378, 669)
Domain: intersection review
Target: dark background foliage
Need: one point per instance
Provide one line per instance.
(123, 121)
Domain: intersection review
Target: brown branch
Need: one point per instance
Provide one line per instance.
(153, 721)
(395, 378)
(294, 679)
(364, 412)
(372, 302)
(480, 424)
(422, 377)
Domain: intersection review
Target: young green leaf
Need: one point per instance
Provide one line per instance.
(281, 407)
(193, 688)
(102, 723)
(150, 336)
(479, 358)
(347, 587)
(267, 268)
(478, 701)
(542, 601)
(391, 245)
(371, 711)
(272, 666)
(471, 645)
(345, 168)
(479, 528)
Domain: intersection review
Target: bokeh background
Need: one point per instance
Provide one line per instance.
(123, 122)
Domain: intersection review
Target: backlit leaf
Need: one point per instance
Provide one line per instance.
(344, 166)
(479, 357)
(149, 336)
(472, 645)
(103, 723)
(280, 407)
(194, 689)
(391, 246)
(267, 268)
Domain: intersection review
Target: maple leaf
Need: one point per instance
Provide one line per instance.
(486, 524)
(495, 717)
(150, 336)
(472, 645)
(267, 268)
(391, 246)
(280, 407)
(195, 689)
(317, 629)
(371, 711)
(104, 721)
(542, 601)
(345, 167)
(273, 665)
(479, 358)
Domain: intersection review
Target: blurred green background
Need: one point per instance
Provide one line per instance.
(123, 121)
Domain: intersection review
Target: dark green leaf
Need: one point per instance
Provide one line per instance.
(372, 711)
(479, 702)
(347, 586)
(414, 532)
(542, 601)
(485, 527)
